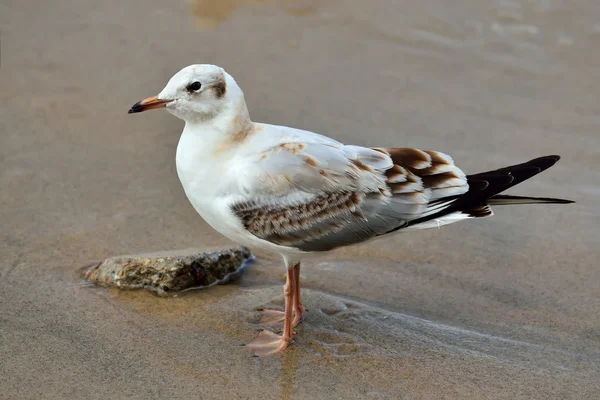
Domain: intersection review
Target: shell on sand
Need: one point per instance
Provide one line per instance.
(170, 272)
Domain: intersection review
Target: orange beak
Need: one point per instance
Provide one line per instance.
(148, 104)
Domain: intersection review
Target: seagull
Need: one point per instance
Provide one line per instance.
(297, 193)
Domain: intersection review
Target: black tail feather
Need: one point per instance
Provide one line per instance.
(512, 175)
(484, 189)
(503, 199)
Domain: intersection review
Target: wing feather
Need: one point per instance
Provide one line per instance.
(316, 196)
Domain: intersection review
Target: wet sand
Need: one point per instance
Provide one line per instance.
(506, 307)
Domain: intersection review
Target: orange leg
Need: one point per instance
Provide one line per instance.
(269, 343)
(276, 318)
(299, 309)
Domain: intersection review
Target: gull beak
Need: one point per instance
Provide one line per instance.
(148, 104)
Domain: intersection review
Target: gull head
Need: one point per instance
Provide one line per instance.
(196, 93)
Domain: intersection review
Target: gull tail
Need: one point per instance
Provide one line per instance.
(487, 186)
(502, 199)
(484, 191)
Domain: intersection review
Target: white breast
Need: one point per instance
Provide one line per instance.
(204, 175)
(206, 163)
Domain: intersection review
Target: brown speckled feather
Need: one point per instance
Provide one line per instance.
(355, 193)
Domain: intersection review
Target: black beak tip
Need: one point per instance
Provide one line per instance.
(136, 108)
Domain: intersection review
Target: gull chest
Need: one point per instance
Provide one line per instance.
(204, 177)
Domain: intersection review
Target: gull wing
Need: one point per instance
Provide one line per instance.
(316, 195)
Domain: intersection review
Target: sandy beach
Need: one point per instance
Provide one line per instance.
(504, 307)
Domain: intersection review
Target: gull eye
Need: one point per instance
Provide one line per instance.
(194, 87)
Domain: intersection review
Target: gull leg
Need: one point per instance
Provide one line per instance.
(299, 309)
(276, 318)
(268, 343)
